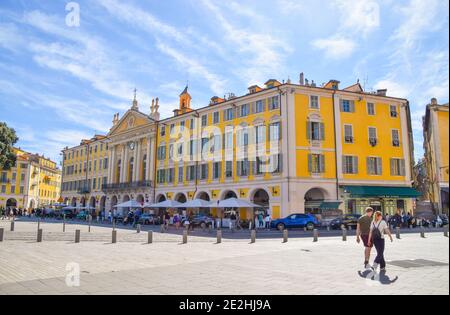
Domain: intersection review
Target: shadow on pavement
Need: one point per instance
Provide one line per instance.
(380, 277)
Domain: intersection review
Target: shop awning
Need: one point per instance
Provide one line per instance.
(330, 205)
(382, 191)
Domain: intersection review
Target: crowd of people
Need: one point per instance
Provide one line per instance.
(13, 212)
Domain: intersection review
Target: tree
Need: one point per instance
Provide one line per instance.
(7, 140)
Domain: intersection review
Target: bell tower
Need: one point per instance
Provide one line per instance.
(185, 101)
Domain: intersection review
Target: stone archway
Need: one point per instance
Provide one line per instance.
(227, 194)
(33, 204)
(313, 199)
(160, 198)
(103, 203)
(114, 201)
(83, 202)
(11, 203)
(203, 196)
(180, 197)
(74, 202)
(261, 198)
(92, 204)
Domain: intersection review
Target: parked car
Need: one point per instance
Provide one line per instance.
(348, 220)
(147, 219)
(297, 220)
(203, 221)
(82, 215)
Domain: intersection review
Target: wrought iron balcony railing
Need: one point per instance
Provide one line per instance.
(119, 186)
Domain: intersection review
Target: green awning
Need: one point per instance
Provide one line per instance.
(330, 205)
(382, 191)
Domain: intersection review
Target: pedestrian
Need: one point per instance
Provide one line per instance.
(167, 220)
(176, 221)
(363, 232)
(378, 229)
(233, 219)
(267, 220)
(261, 220)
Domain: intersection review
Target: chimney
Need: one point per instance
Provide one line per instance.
(313, 84)
(434, 101)
(382, 92)
(302, 78)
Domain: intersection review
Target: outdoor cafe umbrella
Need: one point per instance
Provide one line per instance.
(196, 203)
(129, 204)
(233, 203)
(163, 204)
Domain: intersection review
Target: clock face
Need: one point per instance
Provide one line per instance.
(131, 145)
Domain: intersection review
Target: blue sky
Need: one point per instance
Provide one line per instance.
(59, 84)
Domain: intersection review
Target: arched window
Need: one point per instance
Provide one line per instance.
(144, 167)
(130, 170)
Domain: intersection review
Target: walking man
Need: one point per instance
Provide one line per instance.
(378, 229)
(363, 232)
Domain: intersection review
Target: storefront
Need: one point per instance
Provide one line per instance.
(381, 198)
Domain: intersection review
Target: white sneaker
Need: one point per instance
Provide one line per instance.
(375, 267)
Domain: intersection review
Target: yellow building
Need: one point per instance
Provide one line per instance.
(33, 182)
(286, 147)
(435, 128)
(85, 169)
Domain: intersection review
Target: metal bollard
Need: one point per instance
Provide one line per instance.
(422, 232)
(77, 236)
(410, 226)
(39, 236)
(12, 225)
(285, 235)
(64, 224)
(446, 231)
(315, 235)
(344, 234)
(210, 228)
(150, 237)
(39, 223)
(328, 228)
(114, 224)
(304, 229)
(185, 237)
(138, 228)
(219, 236)
(114, 237)
(253, 236)
(1, 234)
(349, 227)
(90, 221)
(397, 232)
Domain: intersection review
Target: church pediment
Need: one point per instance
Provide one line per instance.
(131, 120)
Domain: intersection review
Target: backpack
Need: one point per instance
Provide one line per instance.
(376, 233)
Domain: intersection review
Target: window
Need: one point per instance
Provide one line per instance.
(21, 190)
(243, 167)
(393, 111)
(161, 154)
(260, 133)
(204, 120)
(14, 176)
(350, 165)
(96, 148)
(274, 103)
(160, 176)
(144, 167)
(275, 132)
(171, 151)
(100, 164)
(257, 166)
(182, 125)
(217, 167)
(259, 107)
(398, 167)
(3, 189)
(371, 109)
(94, 183)
(244, 110)
(275, 161)
(316, 163)
(216, 117)
(348, 133)
(190, 173)
(105, 163)
(180, 174)
(229, 169)
(347, 106)
(95, 165)
(374, 166)
(172, 128)
(228, 114)
(314, 101)
(395, 138)
(204, 171)
(13, 189)
(170, 175)
(315, 131)
(163, 131)
(373, 136)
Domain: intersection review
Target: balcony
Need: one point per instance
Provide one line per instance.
(130, 185)
(83, 190)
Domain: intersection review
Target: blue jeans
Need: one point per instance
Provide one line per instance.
(379, 246)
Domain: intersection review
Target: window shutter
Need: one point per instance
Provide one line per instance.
(352, 106)
(322, 131)
(341, 105)
(344, 165)
(322, 163)
(369, 166)
(225, 118)
(402, 168)
(253, 107)
(380, 166)
(308, 130)
(310, 163)
(393, 167)
(238, 169)
(355, 165)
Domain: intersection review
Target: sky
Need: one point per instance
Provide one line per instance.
(62, 78)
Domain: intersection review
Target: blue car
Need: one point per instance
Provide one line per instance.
(296, 220)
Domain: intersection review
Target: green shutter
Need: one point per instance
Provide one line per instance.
(310, 163)
(322, 163)
(402, 168)
(355, 164)
(380, 166)
(308, 130)
(341, 105)
(322, 131)
(393, 167)
(352, 106)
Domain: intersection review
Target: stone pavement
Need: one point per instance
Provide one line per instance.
(200, 267)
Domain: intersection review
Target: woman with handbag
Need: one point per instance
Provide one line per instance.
(378, 229)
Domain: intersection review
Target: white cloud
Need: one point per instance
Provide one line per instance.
(359, 16)
(335, 48)
(394, 88)
(10, 37)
